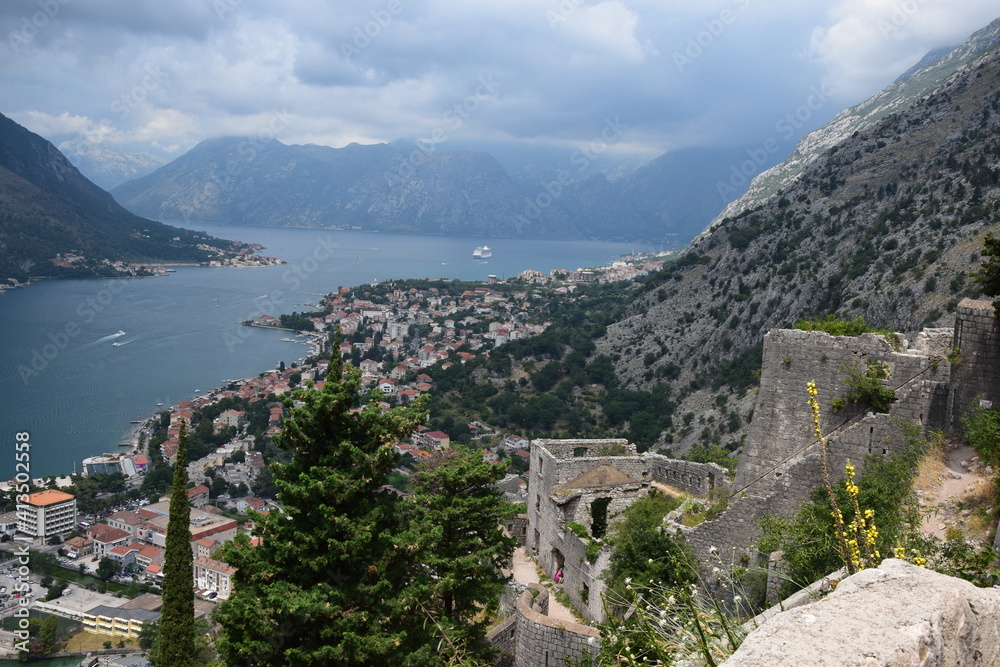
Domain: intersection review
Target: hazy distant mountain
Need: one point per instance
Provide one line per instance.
(106, 166)
(912, 86)
(403, 187)
(47, 207)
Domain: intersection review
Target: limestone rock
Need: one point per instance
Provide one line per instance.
(895, 615)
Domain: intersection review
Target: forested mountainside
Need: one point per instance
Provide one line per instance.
(886, 225)
(47, 208)
(911, 86)
(409, 188)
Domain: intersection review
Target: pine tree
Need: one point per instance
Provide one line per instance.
(175, 644)
(458, 515)
(330, 582)
(988, 275)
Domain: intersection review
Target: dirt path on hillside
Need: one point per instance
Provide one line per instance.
(526, 572)
(960, 477)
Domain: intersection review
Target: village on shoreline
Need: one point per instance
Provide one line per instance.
(392, 335)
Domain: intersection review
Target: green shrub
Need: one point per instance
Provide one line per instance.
(834, 326)
(578, 529)
(982, 431)
(864, 386)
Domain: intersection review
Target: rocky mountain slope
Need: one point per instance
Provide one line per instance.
(404, 187)
(912, 86)
(885, 224)
(48, 207)
(106, 167)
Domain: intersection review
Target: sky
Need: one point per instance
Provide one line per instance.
(648, 76)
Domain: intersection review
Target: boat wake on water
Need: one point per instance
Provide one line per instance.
(104, 339)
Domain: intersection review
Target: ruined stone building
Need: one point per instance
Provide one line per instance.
(589, 483)
(935, 379)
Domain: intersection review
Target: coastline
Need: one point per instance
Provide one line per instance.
(4, 288)
(314, 341)
(145, 409)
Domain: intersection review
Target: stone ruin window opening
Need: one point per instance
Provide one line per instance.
(599, 517)
(585, 594)
(579, 452)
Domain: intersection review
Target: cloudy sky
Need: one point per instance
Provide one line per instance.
(163, 75)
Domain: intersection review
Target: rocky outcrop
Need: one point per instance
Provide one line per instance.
(910, 87)
(894, 615)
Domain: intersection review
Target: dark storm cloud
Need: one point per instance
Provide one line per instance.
(720, 72)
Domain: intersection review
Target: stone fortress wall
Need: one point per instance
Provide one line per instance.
(568, 477)
(780, 465)
(977, 347)
(529, 637)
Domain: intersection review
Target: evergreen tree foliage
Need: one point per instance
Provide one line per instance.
(332, 581)
(988, 275)
(458, 514)
(175, 645)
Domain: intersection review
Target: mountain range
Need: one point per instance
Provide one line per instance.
(49, 210)
(910, 87)
(886, 224)
(109, 167)
(409, 187)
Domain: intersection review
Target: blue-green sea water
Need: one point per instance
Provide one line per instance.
(64, 382)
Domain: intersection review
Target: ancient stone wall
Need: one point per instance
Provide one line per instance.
(552, 466)
(696, 479)
(566, 480)
(540, 640)
(517, 527)
(782, 421)
(977, 373)
(582, 580)
(781, 464)
(504, 638)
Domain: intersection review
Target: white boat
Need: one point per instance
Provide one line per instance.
(116, 344)
(120, 333)
(482, 252)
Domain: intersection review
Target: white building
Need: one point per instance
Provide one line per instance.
(213, 576)
(47, 513)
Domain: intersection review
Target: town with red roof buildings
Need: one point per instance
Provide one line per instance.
(399, 335)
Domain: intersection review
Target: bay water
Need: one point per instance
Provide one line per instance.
(75, 384)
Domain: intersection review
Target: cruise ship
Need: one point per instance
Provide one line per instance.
(482, 252)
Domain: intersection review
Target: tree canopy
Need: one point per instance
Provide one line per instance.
(457, 512)
(988, 275)
(331, 580)
(176, 643)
